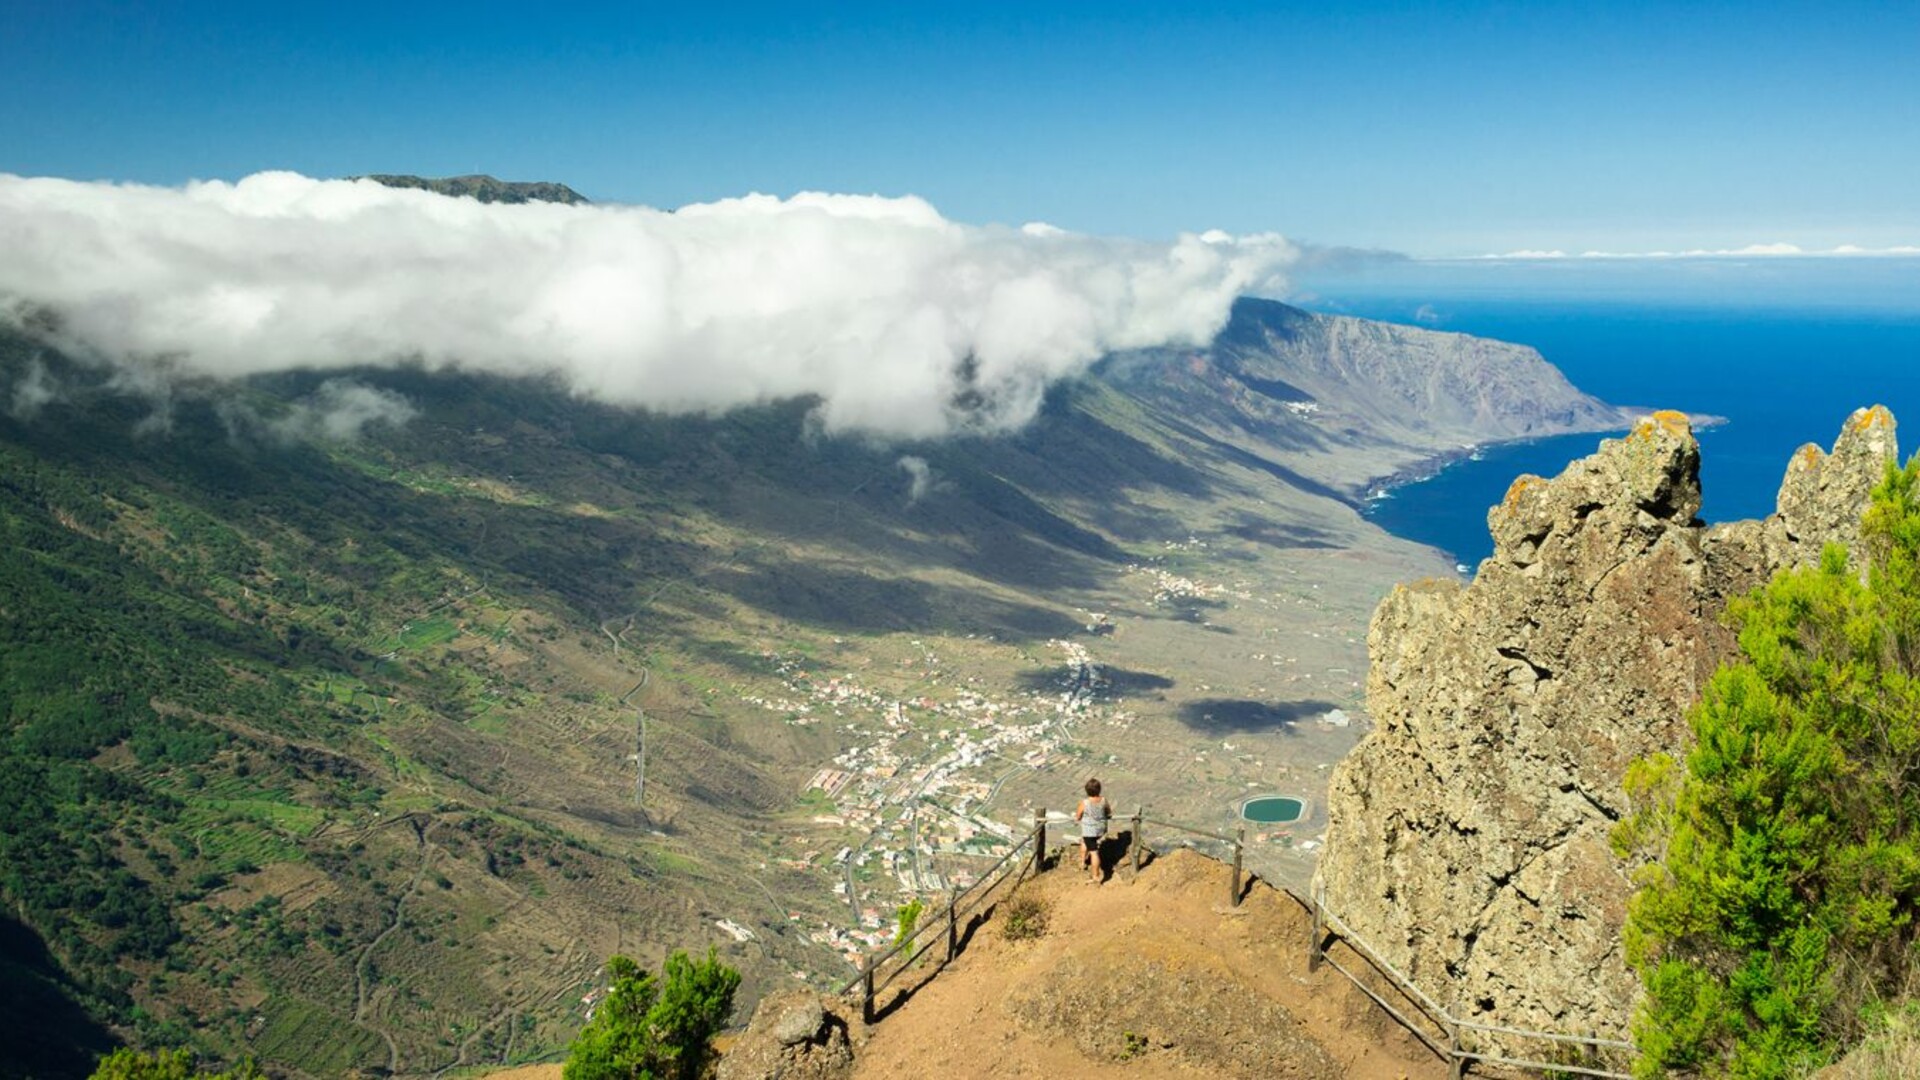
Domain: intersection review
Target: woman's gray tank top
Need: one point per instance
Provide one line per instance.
(1093, 822)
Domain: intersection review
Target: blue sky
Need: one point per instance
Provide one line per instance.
(1423, 128)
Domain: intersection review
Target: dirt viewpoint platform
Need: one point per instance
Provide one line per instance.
(1150, 976)
(1154, 976)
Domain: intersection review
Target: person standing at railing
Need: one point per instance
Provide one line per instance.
(1093, 814)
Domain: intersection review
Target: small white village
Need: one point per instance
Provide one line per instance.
(920, 781)
(916, 789)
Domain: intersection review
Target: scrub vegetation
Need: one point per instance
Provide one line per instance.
(655, 1027)
(1776, 921)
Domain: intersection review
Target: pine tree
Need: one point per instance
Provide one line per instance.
(653, 1028)
(1780, 903)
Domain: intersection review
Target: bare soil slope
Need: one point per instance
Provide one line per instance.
(1149, 976)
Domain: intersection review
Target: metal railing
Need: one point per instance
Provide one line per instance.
(1455, 1031)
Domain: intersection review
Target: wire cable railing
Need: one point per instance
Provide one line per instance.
(880, 970)
(1456, 1031)
(1028, 856)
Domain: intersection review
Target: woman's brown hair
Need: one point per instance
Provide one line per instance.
(1093, 787)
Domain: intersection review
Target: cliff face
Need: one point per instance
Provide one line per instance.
(1410, 381)
(1345, 401)
(1467, 837)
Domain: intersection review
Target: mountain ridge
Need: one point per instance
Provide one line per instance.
(483, 188)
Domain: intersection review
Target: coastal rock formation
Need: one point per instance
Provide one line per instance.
(1467, 838)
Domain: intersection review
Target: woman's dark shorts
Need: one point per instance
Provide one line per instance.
(1091, 843)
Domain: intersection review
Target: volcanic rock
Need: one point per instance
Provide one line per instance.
(1468, 833)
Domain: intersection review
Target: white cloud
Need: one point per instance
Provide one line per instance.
(920, 476)
(340, 410)
(880, 307)
(34, 390)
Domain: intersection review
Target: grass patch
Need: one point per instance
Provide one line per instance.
(1024, 917)
(232, 844)
(427, 633)
(668, 862)
(322, 1042)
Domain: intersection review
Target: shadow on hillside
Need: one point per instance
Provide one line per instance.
(1277, 389)
(1276, 535)
(1220, 716)
(1113, 681)
(1254, 461)
(728, 654)
(851, 601)
(45, 1032)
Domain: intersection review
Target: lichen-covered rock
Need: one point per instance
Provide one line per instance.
(1467, 837)
(793, 1036)
(1821, 500)
(799, 1022)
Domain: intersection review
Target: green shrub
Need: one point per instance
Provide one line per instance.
(1025, 917)
(1786, 853)
(652, 1028)
(127, 1064)
(906, 918)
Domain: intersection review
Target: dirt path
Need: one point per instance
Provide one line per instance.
(527, 1072)
(1156, 976)
(361, 995)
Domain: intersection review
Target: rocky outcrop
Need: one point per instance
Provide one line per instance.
(1467, 837)
(799, 1035)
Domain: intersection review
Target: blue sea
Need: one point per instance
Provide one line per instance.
(1781, 378)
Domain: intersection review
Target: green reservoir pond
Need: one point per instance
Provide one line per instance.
(1272, 809)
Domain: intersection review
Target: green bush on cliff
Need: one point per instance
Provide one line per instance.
(650, 1028)
(164, 1065)
(1780, 903)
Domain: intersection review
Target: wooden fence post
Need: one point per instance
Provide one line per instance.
(1039, 839)
(1139, 838)
(1453, 1050)
(1319, 935)
(866, 990)
(1239, 843)
(953, 928)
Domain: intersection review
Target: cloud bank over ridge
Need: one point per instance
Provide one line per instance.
(901, 322)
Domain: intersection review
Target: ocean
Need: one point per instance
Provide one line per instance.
(1781, 378)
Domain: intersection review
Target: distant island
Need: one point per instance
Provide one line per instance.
(484, 188)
